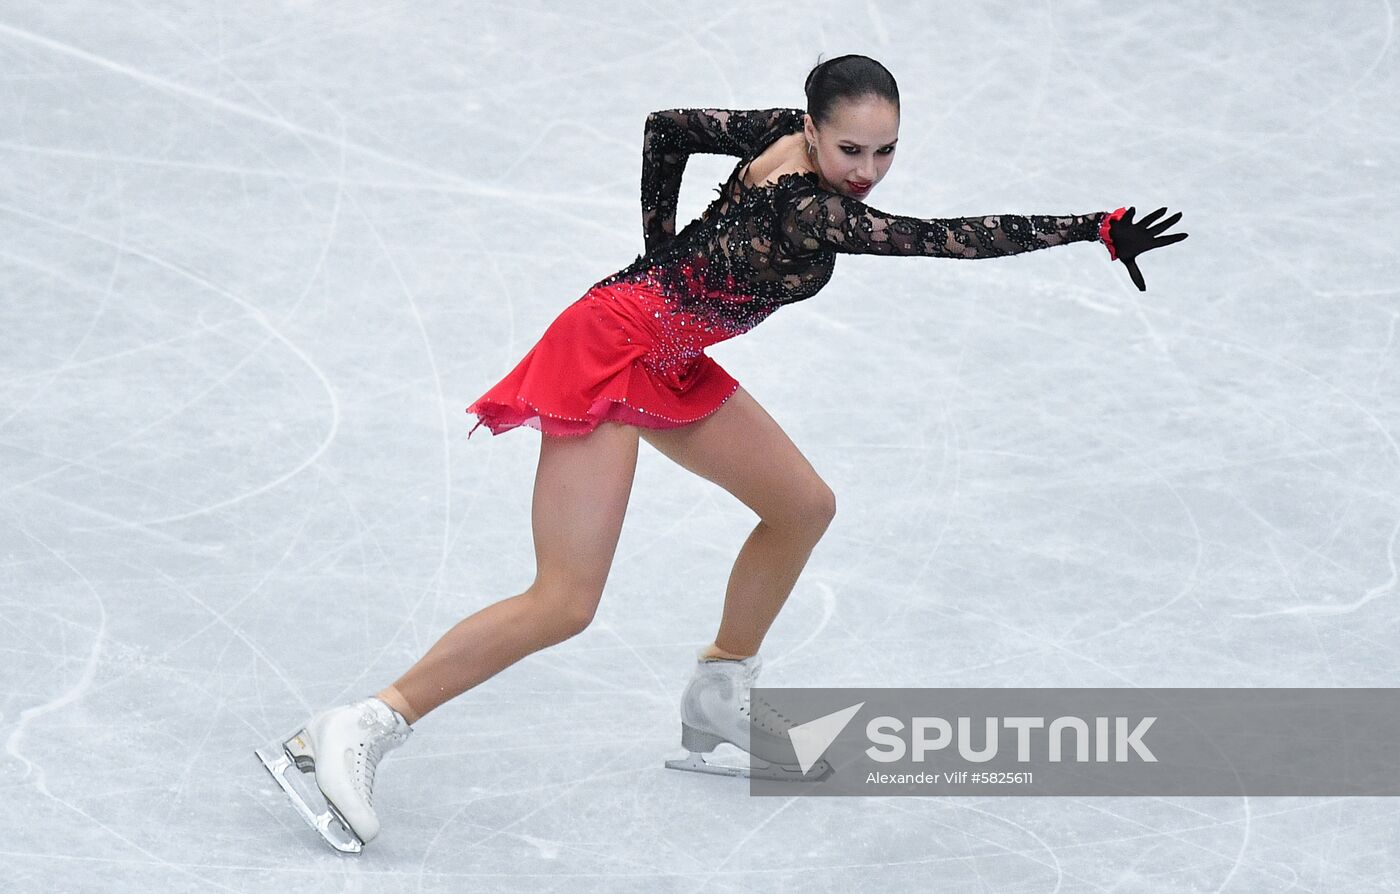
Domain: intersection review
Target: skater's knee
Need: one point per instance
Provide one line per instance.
(567, 609)
(576, 618)
(824, 506)
(810, 509)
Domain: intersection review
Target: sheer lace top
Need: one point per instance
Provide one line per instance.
(756, 248)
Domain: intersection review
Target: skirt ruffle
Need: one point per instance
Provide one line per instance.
(614, 355)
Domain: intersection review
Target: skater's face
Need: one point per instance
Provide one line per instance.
(855, 148)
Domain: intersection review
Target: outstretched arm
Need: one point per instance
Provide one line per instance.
(814, 219)
(673, 135)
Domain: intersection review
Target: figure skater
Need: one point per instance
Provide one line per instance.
(626, 361)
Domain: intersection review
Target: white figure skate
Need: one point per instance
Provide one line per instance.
(327, 768)
(715, 710)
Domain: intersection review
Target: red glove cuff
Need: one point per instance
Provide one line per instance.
(1105, 237)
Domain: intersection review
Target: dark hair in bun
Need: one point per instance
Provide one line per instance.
(846, 77)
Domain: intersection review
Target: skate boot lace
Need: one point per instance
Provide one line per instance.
(764, 714)
(381, 739)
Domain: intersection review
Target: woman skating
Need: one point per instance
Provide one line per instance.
(626, 361)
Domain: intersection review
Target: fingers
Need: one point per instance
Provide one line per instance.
(1164, 225)
(1135, 273)
(1147, 221)
(1168, 240)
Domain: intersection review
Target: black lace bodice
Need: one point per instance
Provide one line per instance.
(756, 248)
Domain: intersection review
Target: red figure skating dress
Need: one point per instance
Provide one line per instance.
(632, 348)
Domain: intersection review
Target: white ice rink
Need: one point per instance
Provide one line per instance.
(255, 260)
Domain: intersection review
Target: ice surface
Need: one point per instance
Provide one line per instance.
(256, 260)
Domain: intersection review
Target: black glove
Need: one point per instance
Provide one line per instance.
(1132, 239)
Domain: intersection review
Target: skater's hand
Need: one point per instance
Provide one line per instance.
(1132, 239)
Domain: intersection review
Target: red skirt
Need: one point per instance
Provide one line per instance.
(615, 355)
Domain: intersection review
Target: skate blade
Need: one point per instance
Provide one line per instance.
(697, 763)
(298, 779)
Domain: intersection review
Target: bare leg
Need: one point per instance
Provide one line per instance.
(582, 486)
(740, 448)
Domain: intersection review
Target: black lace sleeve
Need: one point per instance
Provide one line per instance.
(673, 135)
(812, 218)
